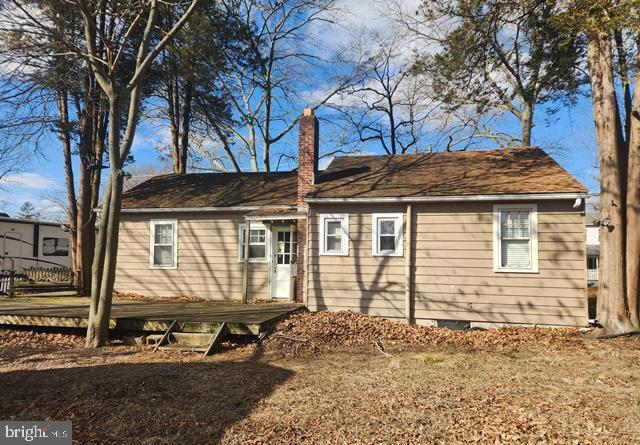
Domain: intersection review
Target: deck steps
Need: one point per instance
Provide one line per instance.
(174, 339)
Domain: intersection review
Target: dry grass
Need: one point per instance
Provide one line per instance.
(552, 391)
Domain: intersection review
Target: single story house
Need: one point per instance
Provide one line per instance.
(485, 238)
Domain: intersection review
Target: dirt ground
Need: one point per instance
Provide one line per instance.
(509, 386)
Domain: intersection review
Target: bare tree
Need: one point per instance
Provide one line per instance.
(123, 91)
(265, 96)
(388, 105)
(121, 41)
(63, 97)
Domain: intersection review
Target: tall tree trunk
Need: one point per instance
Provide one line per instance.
(612, 302)
(72, 209)
(84, 238)
(625, 130)
(623, 71)
(186, 128)
(105, 258)
(101, 120)
(266, 150)
(107, 243)
(85, 149)
(527, 124)
(227, 147)
(392, 126)
(173, 99)
(252, 147)
(633, 206)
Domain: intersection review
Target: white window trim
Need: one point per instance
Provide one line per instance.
(344, 225)
(399, 234)
(497, 237)
(267, 243)
(152, 235)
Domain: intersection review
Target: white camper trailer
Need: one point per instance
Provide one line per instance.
(26, 243)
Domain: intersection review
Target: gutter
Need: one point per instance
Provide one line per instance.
(275, 217)
(452, 198)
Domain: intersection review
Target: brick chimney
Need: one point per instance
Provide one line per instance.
(307, 153)
(307, 171)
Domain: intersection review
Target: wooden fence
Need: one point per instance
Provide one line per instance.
(52, 276)
(47, 275)
(5, 282)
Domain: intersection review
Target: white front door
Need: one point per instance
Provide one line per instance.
(282, 262)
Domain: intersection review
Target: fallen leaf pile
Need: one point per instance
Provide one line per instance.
(131, 296)
(322, 331)
(262, 301)
(34, 339)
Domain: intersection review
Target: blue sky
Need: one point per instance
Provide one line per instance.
(568, 137)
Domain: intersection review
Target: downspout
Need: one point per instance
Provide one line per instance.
(409, 254)
(245, 262)
(307, 250)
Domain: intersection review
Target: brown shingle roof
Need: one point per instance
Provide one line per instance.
(213, 190)
(489, 172)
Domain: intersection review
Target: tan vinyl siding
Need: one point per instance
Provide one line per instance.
(359, 282)
(452, 268)
(207, 264)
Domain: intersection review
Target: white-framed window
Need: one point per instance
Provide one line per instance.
(515, 238)
(258, 242)
(386, 237)
(163, 245)
(334, 234)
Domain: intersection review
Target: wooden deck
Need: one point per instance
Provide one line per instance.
(59, 311)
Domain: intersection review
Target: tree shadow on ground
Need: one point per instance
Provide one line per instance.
(142, 403)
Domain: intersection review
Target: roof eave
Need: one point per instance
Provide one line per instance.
(451, 198)
(200, 209)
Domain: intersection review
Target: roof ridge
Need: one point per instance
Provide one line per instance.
(221, 173)
(484, 150)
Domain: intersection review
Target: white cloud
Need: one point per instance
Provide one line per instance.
(323, 163)
(29, 181)
(150, 135)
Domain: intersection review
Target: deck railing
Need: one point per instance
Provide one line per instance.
(592, 274)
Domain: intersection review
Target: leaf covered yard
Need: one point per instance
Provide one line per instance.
(320, 378)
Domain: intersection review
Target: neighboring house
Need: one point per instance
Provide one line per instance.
(28, 243)
(484, 238)
(593, 249)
